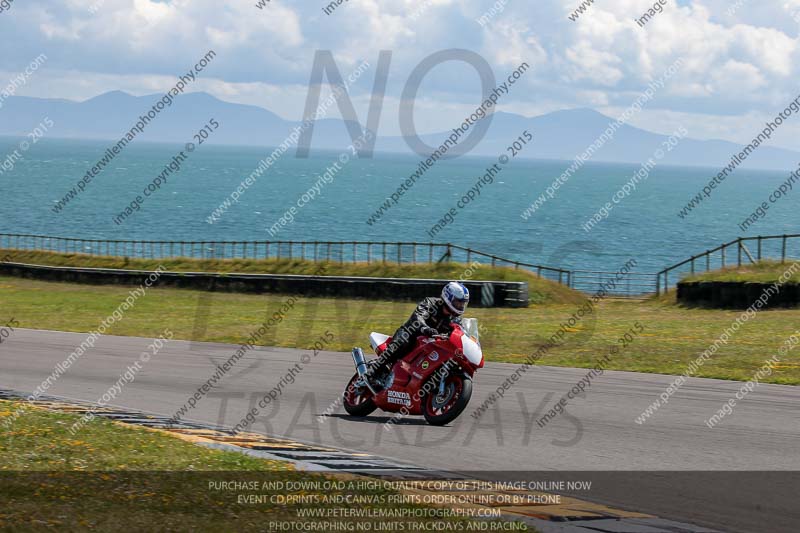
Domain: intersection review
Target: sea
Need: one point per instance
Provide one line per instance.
(644, 225)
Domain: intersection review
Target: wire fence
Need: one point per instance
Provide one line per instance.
(369, 252)
(631, 284)
(744, 250)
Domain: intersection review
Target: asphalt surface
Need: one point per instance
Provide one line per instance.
(673, 465)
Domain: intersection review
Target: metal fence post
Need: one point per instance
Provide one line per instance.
(739, 247)
(783, 250)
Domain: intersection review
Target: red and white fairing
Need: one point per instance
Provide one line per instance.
(424, 360)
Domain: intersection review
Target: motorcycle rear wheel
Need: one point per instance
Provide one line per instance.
(441, 410)
(358, 402)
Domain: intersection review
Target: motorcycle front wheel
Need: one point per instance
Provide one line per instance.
(440, 409)
(358, 401)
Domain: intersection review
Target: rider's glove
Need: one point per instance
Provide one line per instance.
(428, 331)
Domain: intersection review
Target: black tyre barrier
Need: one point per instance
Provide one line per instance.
(736, 294)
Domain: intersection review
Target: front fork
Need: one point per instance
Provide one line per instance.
(443, 379)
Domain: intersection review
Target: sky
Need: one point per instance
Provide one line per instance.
(739, 66)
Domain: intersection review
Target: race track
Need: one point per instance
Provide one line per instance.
(599, 433)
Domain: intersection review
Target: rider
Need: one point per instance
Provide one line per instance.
(432, 316)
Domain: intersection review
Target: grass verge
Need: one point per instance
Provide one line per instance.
(541, 290)
(761, 272)
(111, 477)
(672, 336)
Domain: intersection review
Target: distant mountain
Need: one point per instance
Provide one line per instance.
(110, 115)
(564, 135)
(558, 135)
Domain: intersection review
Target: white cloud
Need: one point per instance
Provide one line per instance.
(509, 44)
(735, 77)
(737, 65)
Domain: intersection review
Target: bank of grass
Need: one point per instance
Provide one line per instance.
(541, 290)
(673, 336)
(761, 272)
(111, 477)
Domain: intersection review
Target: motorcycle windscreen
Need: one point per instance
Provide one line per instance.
(470, 327)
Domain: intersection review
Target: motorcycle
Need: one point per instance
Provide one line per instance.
(434, 380)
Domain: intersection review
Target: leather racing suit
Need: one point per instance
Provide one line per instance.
(429, 318)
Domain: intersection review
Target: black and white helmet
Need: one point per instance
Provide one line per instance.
(456, 297)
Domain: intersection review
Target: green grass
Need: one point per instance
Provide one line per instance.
(40, 441)
(111, 477)
(540, 290)
(762, 272)
(673, 335)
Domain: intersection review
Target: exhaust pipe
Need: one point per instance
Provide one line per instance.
(360, 361)
(361, 367)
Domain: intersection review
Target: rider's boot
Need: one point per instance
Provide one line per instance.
(377, 375)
